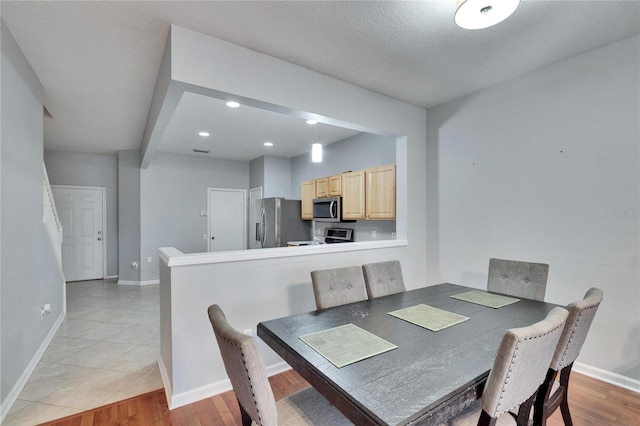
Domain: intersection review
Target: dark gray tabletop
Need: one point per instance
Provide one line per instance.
(430, 376)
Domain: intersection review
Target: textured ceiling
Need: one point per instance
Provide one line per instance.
(98, 61)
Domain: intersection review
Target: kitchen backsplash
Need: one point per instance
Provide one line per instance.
(364, 230)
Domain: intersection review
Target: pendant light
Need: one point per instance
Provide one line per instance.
(316, 153)
(477, 14)
(316, 150)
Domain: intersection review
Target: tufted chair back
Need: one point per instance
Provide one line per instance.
(518, 279)
(383, 278)
(339, 286)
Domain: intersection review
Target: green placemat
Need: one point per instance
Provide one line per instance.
(486, 299)
(346, 344)
(429, 317)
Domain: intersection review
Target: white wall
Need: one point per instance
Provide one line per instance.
(255, 290)
(277, 177)
(546, 168)
(173, 191)
(30, 276)
(72, 168)
(128, 216)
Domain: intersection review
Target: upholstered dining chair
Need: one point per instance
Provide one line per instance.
(248, 377)
(383, 278)
(519, 368)
(519, 279)
(339, 286)
(553, 394)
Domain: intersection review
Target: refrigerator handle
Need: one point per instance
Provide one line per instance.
(263, 225)
(258, 237)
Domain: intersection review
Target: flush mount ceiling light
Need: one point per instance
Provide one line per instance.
(233, 104)
(312, 121)
(267, 143)
(204, 134)
(477, 14)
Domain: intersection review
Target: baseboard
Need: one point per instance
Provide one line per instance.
(168, 387)
(111, 277)
(12, 396)
(607, 376)
(207, 391)
(141, 283)
(277, 368)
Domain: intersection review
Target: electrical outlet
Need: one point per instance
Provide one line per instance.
(149, 259)
(374, 234)
(393, 235)
(45, 310)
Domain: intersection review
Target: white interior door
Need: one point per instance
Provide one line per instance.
(227, 219)
(255, 206)
(81, 211)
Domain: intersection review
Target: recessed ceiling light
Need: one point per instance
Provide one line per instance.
(312, 121)
(268, 143)
(204, 134)
(233, 104)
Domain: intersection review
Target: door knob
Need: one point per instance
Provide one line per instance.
(99, 239)
(213, 238)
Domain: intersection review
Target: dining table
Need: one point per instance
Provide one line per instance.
(423, 376)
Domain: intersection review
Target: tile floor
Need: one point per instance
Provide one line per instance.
(104, 351)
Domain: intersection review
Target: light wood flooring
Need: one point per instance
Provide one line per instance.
(591, 401)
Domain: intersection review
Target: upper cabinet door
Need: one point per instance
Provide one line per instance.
(381, 192)
(308, 194)
(322, 187)
(353, 195)
(335, 186)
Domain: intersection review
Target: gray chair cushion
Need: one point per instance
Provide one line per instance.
(339, 286)
(519, 279)
(581, 314)
(521, 363)
(383, 278)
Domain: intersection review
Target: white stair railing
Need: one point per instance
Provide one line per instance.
(50, 218)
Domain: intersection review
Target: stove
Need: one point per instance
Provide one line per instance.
(338, 235)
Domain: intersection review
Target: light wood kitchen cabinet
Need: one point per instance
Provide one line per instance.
(322, 187)
(353, 194)
(308, 194)
(335, 185)
(381, 192)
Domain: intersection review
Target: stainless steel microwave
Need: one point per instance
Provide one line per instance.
(327, 209)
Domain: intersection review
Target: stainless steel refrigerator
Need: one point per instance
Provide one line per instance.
(280, 221)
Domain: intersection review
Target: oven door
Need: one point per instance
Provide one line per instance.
(327, 209)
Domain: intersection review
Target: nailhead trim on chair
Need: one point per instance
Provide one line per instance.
(573, 331)
(497, 411)
(255, 403)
